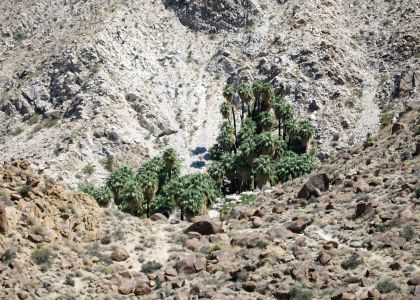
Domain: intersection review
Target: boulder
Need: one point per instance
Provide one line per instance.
(190, 265)
(314, 186)
(119, 254)
(205, 227)
(142, 289)
(158, 217)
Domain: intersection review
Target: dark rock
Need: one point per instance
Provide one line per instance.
(362, 209)
(314, 186)
(142, 289)
(249, 286)
(190, 265)
(205, 227)
(158, 217)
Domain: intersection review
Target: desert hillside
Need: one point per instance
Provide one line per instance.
(225, 149)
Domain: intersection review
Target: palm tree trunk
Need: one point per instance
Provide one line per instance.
(243, 112)
(148, 208)
(182, 213)
(234, 126)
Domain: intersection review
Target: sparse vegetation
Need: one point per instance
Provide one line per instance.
(408, 232)
(24, 190)
(41, 255)
(299, 292)
(386, 119)
(352, 263)
(89, 169)
(386, 286)
(150, 267)
(18, 130)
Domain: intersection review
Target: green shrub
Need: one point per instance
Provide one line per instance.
(18, 36)
(352, 263)
(33, 119)
(386, 286)
(10, 254)
(262, 244)
(408, 232)
(108, 163)
(386, 119)
(150, 267)
(24, 190)
(299, 292)
(41, 256)
(18, 130)
(69, 281)
(89, 169)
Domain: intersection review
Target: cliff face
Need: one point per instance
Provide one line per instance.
(83, 80)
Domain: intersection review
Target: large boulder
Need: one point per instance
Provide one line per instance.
(119, 254)
(205, 227)
(314, 186)
(190, 265)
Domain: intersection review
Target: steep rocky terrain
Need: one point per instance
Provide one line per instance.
(83, 80)
(351, 234)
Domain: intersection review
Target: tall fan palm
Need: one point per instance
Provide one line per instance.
(268, 144)
(304, 133)
(229, 93)
(247, 130)
(290, 129)
(225, 109)
(266, 121)
(149, 183)
(170, 157)
(226, 138)
(248, 149)
(283, 112)
(244, 171)
(245, 94)
(263, 170)
(217, 172)
(132, 196)
(117, 180)
(267, 96)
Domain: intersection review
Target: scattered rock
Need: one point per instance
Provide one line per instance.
(315, 185)
(119, 254)
(205, 227)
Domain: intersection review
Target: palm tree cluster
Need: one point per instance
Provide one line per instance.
(157, 187)
(270, 145)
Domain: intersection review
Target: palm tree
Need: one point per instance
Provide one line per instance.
(149, 183)
(228, 160)
(244, 171)
(229, 93)
(132, 196)
(245, 94)
(263, 170)
(217, 172)
(283, 112)
(226, 138)
(117, 180)
(247, 130)
(267, 96)
(268, 144)
(170, 157)
(266, 120)
(248, 149)
(290, 129)
(257, 88)
(225, 109)
(305, 132)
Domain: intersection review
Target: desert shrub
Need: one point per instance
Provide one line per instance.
(69, 281)
(24, 190)
(108, 163)
(18, 130)
(180, 238)
(299, 292)
(262, 244)
(33, 119)
(408, 232)
(106, 240)
(41, 255)
(150, 267)
(386, 119)
(352, 262)
(10, 253)
(386, 286)
(89, 169)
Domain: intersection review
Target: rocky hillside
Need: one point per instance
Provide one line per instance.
(85, 80)
(348, 231)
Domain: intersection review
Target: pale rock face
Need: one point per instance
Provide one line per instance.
(129, 79)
